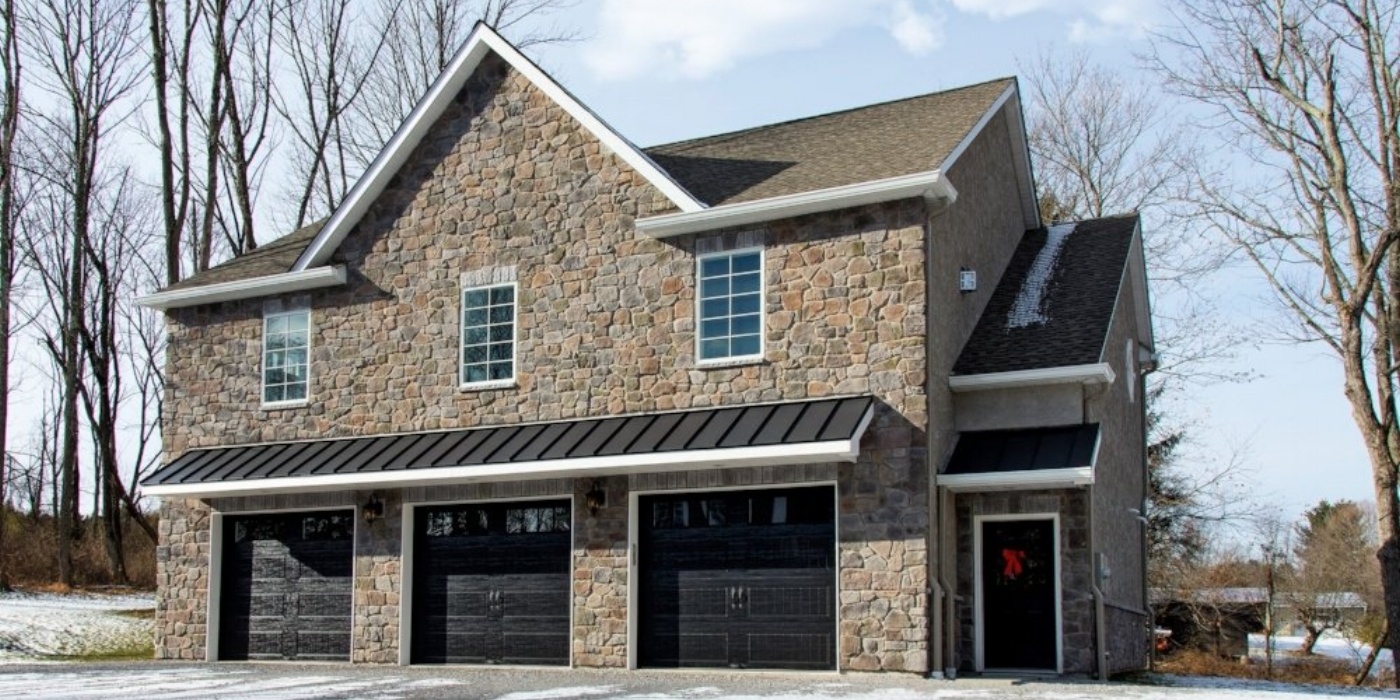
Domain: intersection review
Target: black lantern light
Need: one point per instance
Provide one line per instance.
(373, 509)
(596, 497)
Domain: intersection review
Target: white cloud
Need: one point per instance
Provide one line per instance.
(917, 32)
(1092, 19)
(698, 38)
(695, 39)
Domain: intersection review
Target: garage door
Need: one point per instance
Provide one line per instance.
(741, 579)
(286, 586)
(491, 583)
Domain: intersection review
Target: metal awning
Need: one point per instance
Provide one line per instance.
(800, 432)
(1035, 458)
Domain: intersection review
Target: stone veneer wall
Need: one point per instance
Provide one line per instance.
(1076, 597)
(506, 185)
(182, 580)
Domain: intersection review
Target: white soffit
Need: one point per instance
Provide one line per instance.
(1100, 373)
(481, 41)
(1029, 480)
(314, 278)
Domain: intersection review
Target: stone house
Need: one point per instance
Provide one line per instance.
(819, 395)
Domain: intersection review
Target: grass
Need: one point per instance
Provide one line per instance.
(135, 651)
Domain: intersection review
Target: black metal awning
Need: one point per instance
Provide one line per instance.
(785, 433)
(1023, 459)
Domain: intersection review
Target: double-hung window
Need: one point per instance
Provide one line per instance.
(731, 306)
(286, 356)
(488, 335)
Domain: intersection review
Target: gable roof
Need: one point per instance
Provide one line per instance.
(892, 149)
(479, 43)
(1059, 314)
(874, 142)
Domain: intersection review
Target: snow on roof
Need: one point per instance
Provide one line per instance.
(1030, 302)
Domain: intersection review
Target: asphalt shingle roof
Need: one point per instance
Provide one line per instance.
(271, 258)
(869, 143)
(1076, 308)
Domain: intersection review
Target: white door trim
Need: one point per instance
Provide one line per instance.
(406, 562)
(213, 602)
(633, 539)
(979, 626)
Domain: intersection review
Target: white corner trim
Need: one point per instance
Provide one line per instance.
(425, 114)
(1030, 480)
(724, 458)
(1099, 373)
(298, 281)
(929, 185)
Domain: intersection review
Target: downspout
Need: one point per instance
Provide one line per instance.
(938, 590)
(1144, 369)
(1100, 628)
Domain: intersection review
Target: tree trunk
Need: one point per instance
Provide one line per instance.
(1370, 661)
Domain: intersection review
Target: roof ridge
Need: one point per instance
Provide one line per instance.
(712, 138)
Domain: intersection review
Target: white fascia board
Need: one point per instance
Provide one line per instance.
(1009, 99)
(425, 114)
(765, 456)
(315, 278)
(930, 185)
(1030, 480)
(1099, 373)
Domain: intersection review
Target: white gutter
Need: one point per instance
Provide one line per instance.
(1100, 373)
(765, 456)
(315, 278)
(1030, 480)
(930, 185)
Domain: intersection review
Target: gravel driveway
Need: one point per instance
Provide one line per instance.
(152, 681)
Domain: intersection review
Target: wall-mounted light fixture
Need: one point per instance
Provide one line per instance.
(373, 509)
(596, 497)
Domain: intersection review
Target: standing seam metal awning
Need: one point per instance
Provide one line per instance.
(802, 432)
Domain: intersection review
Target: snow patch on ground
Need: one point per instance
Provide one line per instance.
(39, 626)
(560, 693)
(1330, 645)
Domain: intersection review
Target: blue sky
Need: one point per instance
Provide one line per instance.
(664, 70)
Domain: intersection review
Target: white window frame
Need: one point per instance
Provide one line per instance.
(514, 338)
(762, 309)
(262, 385)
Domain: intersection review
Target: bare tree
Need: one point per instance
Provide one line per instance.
(332, 62)
(84, 50)
(421, 37)
(11, 69)
(1307, 94)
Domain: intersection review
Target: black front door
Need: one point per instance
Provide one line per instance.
(286, 586)
(491, 583)
(1019, 575)
(742, 579)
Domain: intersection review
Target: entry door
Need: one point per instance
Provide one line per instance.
(1019, 586)
(741, 579)
(491, 583)
(286, 587)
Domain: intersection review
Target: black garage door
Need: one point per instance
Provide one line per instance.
(286, 586)
(491, 583)
(743, 579)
